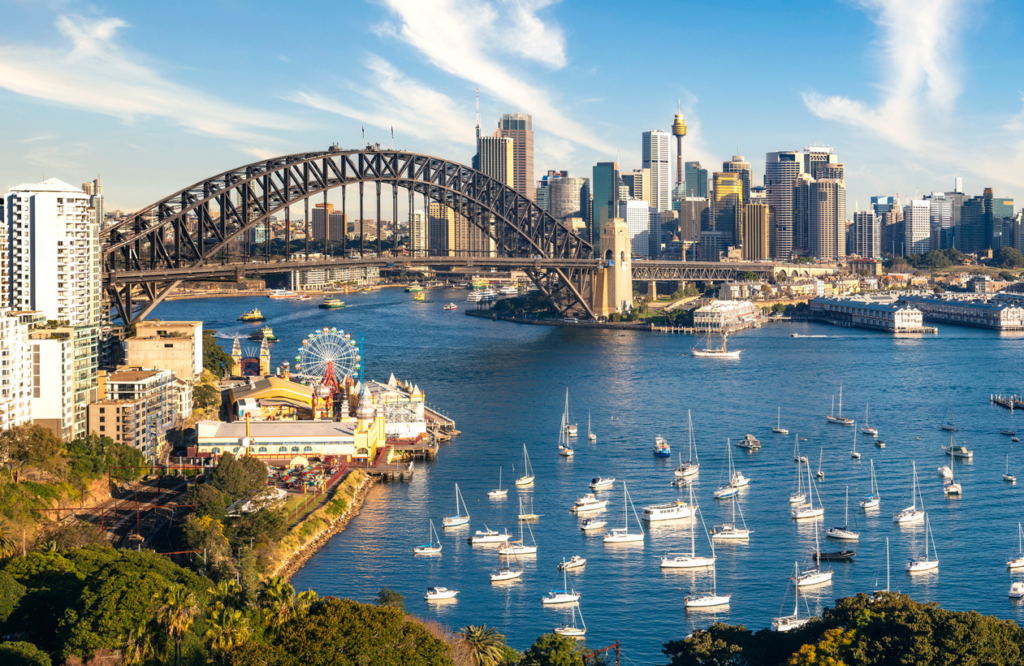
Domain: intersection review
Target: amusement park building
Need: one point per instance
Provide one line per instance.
(404, 416)
(272, 399)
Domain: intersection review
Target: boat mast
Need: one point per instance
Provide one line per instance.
(886, 564)
(840, 401)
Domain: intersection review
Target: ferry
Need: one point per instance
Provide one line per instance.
(474, 297)
(281, 293)
(332, 304)
(265, 333)
(749, 442)
(661, 447)
(668, 511)
(253, 315)
(509, 291)
(419, 297)
(450, 306)
(413, 287)
(488, 295)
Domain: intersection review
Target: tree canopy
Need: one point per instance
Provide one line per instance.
(215, 359)
(1009, 257)
(237, 477)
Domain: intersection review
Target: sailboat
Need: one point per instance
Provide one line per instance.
(527, 516)
(951, 487)
(844, 533)
(520, 547)
(874, 499)
(499, 491)
(569, 428)
(886, 590)
(458, 519)
(1009, 478)
(590, 435)
(710, 352)
(527, 478)
(778, 425)
(1017, 561)
(571, 630)
(622, 534)
(794, 621)
(854, 454)
(708, 599)
(915, 566)
(507, 573)
(950, 425)
(799, 497)
(730, 530)
(796, 450)
(841, 420)
(954, 451)
(431, 548)
(821, 475)
(911, 514)
(814, 575)
(690, 560)
(563, 441)
(808, 510)
(730, 488)
(563, 596)
(867, 429)
(691, 466)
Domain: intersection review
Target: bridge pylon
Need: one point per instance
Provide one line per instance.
(613, 282)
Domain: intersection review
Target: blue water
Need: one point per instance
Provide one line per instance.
(504, 384)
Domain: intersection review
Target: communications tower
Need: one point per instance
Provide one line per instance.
(679, 131)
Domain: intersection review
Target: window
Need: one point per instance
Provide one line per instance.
(308, 449)
(295, 449)
(103, 428)
(103, 418)
(102, 409)
(262, 449)
(169, 346)
(282, 449)
(215, 449)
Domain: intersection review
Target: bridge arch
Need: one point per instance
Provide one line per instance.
(198, 224)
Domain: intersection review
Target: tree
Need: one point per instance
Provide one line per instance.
(8, 547)
(207, 535)
(747, 276)
(11, 593)
(228, 628)
(554, 650)
(19, 653)
(239, 476)
(225, 594)
(836, 648)
(206, 396)
(1009, 257)
(215, 359)
(487, 644)
(137, 643)
(29, 445)
(176, 611)
(1007, 276)
(209, 501)
(278, 600)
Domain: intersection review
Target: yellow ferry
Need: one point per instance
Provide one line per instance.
(253, 315)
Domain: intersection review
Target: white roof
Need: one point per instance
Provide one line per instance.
(48, 185)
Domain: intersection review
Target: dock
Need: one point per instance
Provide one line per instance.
(1011, 403)
(440, 426)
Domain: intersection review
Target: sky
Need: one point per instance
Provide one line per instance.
(153, 97)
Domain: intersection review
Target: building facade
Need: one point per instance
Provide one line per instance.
(1001, 316)
(739, 165)
(16, 364)
(569, 198)
(725, 315)
(496, 157)
(606, 198)
(657, 156)
(727, 202)
(696, 180)
(519, 128)
(637, 216)
(418, 234)
(827, 237)
(168, 345)
(138, 409)
(867, 235)
(781, 171)
(863, 314)
(917, 227)
(756, 222)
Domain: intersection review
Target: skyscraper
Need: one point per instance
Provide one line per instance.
(495, 158)
(95, 192)
(828, 219)
(780, 173)
(418, 234)
(606, 198)
(656, 156)
(519, 128)
(330, 226)
(638, 183)
(867, 235)
(739, 165)
(696, 180)
(542, 187)
(567, 198)
(727, 204)
(815, 157)
(637, 215)
(802, 214)
(756, 222)
(916, 227)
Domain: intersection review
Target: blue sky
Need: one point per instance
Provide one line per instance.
(155, 96)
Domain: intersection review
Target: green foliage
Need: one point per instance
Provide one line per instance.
(215, 359)
(8, 547)
(176, 610)
(554, 650)
(748, 276)
(11, 593)
(364, 634)
(933, 259)
(19, 653)
(1007, 276)
(205, 396)
(336, 507)
(265, 526)
(210, 501)
(1009, 257)
(392, 598)
(238, 477)
(29, 445)
(90, 457)
(206, 535)
(487, 644)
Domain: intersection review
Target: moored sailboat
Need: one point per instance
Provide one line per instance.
(844, 533)
(778, 429)
(432, 548)
(498, 492)
(527, 478)
(622, 534)
(926, 564)
(458, 519)
(691, 466)
(794, 621)
(874, 498)
(731, 531)
(840, 419)
(911, 514)
(571, 630)
(690, 560)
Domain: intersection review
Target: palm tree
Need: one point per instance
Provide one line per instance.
(7, 545)
(176, 612)
(305, 600)
(138, 643)
(487, 644)
(225, 593)
(278, 598)
(228, 628)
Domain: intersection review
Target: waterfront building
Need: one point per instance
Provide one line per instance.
(756, 223)
(827, 219)
(638, 184)
(569, 198)
(866, 235)
(613, 288)
(319, 279)
(418, 234)
(916, 227)
(16, 360)
(718, 316)
(168, 345)
(637, 216)
(404, 408)
(271, 399)
(728, 204)
(739, 165)
(780, 174)
(696, 181)
(606, 199)
(998, 315)
(894, 318)
(656, 155)
(519, 128)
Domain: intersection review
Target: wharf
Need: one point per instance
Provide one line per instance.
(1011, 403)
(384, 468)
(440, 426)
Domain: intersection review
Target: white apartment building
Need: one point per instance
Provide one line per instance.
(15, 369)
(656, 157)
(53, 380)
(418, 234)
(53, 252)
(637, 216)
(916, 227)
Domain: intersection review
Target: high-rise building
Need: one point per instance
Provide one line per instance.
(694, 216)
(95, 192)
(418, 246)
(828, 219)
(958, 185)
(1002, 209)
(917, 227)
(740, 166)
(679, 131)
(137, 410)
(815, 157)
(756, 223)
(867, 235)
(781, 171)
(696, 180)
(882, 205)
(606, 198)
(970, 233)
(654, 236)
(519, 128)
(328, 224)
(440, 230)
(16, 361)
(543, 201)
(637, 215)
(638, 184)
(802, 214)
(727, 202)
(569, 198)
(496, 158)
(656, 157)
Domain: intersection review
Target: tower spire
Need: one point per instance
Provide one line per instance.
(478, 116)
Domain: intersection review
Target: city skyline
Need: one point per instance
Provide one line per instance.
(88, 89)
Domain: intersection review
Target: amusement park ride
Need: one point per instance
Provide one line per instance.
(328, 361)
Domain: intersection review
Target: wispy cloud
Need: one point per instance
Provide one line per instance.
(96, 74)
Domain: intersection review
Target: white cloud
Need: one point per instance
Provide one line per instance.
(97, 75)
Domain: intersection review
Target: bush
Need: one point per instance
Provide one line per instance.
(19, 653)
(1009, 257)
(238, 477)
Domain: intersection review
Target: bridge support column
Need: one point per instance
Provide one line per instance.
(681, 285)
(613, 283)
(652, 290)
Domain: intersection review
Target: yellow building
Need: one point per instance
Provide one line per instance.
(272, 399)
(727, 206)
(756, 225)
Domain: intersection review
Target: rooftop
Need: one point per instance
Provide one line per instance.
(48, 185)
(131, 375)
(276, 429)
(863, 305)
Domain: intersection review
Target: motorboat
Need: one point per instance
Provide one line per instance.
(911, 514)
(527, 478)
(879, 443)
(622, 534)
(691, 466)
(508, 290)
(844, 533)
(926, 564)
(440, 593)
(419, 297)
(592, 524)
(874, 498)
(866, 428)
(749, 442)
(474, 297)
(945, 472)
(667, 511)
(574, 562)
(1017, 561)
(737, 480)
(562, 596)
(498, 492)
(602, 483)
(794, 621)
(778, 429)
(661, 447)
(432, 548)
(450, 306)
(710, 352)
(958, 451)
(489, 536)
(571, 630)
(458, 519)
(838, 419)
(731, 531)
(281, 293)
(1017, 590)
(1008, 433)
(588, 503)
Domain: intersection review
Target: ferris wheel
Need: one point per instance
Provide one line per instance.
(328, 356)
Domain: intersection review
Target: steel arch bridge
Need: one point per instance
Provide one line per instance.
(194, 227)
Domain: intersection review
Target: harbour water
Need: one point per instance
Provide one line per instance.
(504, 385)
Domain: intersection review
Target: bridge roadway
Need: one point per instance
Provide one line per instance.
(645, 270)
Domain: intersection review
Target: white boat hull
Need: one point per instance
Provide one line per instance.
(953, 489)
(870, 503)
(455, 521)
(780, 431)
(788, 623)
(798, 499)
(870, 431)
(568, 453)
(731, 535)
(525, 481)
(557, 599)
(607, 485)
(707, 601)
(842, 535)
(1017, 590)
(585, 508)
(687, 562)
(809, 580)
(715, 353)
(687, 469)
(517, 550)
(429, 550)
(728, 491)
(503, 576)
(623, 538)
(498, 493)
(590, 527)
(571, 632)
(1015, 562)
(917, 566)
(441, 596)
(653, 515)
(908, 516)
(804, 514)
(839, 420)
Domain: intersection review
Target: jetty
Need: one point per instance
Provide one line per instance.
(1011, 403)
